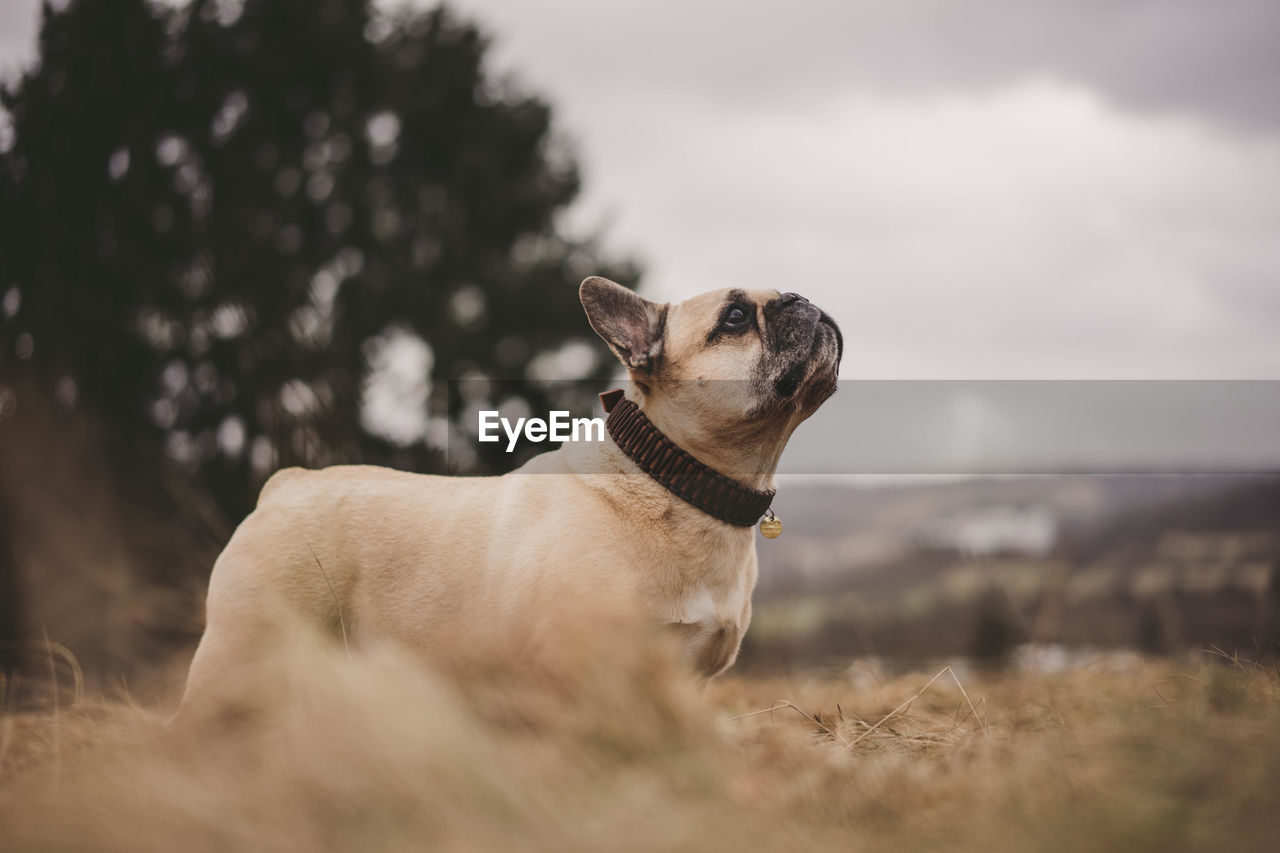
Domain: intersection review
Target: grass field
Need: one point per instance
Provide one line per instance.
(612, 748)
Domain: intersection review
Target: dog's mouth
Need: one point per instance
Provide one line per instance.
(824, 319)
(786, 385)
(817, 362)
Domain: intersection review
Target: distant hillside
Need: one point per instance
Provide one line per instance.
(1236, 507)
(940, 568)
(836, 527)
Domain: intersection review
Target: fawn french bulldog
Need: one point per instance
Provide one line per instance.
(657, 518)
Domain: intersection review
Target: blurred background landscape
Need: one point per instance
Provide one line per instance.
(236, 236)
(1034, 571)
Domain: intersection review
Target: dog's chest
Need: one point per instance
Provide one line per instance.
(711, 623)
(715, 603)
(701, 606)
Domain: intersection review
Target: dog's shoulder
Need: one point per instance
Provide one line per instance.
(280, 480)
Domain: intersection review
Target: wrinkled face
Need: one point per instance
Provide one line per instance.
(731, 359)
(780, 348)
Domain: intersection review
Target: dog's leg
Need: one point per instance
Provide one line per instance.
(241, 629)
(212, 667)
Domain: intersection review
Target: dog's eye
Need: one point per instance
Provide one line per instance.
(735, 319)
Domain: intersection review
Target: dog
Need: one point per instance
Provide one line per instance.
(657, 518)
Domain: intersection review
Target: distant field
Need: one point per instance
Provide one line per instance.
(612, 749)
(1166, 565)
(1226, 594)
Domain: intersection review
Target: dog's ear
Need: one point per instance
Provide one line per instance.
(632, 326)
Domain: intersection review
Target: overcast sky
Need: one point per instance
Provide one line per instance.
(1083, 189)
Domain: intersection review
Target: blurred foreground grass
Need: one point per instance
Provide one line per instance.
(611, 748)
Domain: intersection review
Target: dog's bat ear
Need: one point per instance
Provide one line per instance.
(632, 326)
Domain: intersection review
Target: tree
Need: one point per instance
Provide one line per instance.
(219, 221)
(214, 218)
(996, 630)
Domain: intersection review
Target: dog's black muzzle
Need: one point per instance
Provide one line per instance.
(799, 333)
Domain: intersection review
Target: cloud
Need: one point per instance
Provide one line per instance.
(1008, 192)
(1028, 232)
(1213, 59)
(979, 189)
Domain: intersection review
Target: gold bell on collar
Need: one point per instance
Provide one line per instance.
(770, 525)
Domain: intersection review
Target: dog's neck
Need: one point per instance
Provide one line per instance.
(749, 455)
(604, 468)
(661, 491)
(679, 472)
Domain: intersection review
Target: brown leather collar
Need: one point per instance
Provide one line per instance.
(681, 474)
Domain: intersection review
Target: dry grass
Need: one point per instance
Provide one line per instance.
(612, 748)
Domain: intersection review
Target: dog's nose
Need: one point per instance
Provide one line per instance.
(785, 299)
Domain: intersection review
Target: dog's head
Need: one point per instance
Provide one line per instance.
(728, 364)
